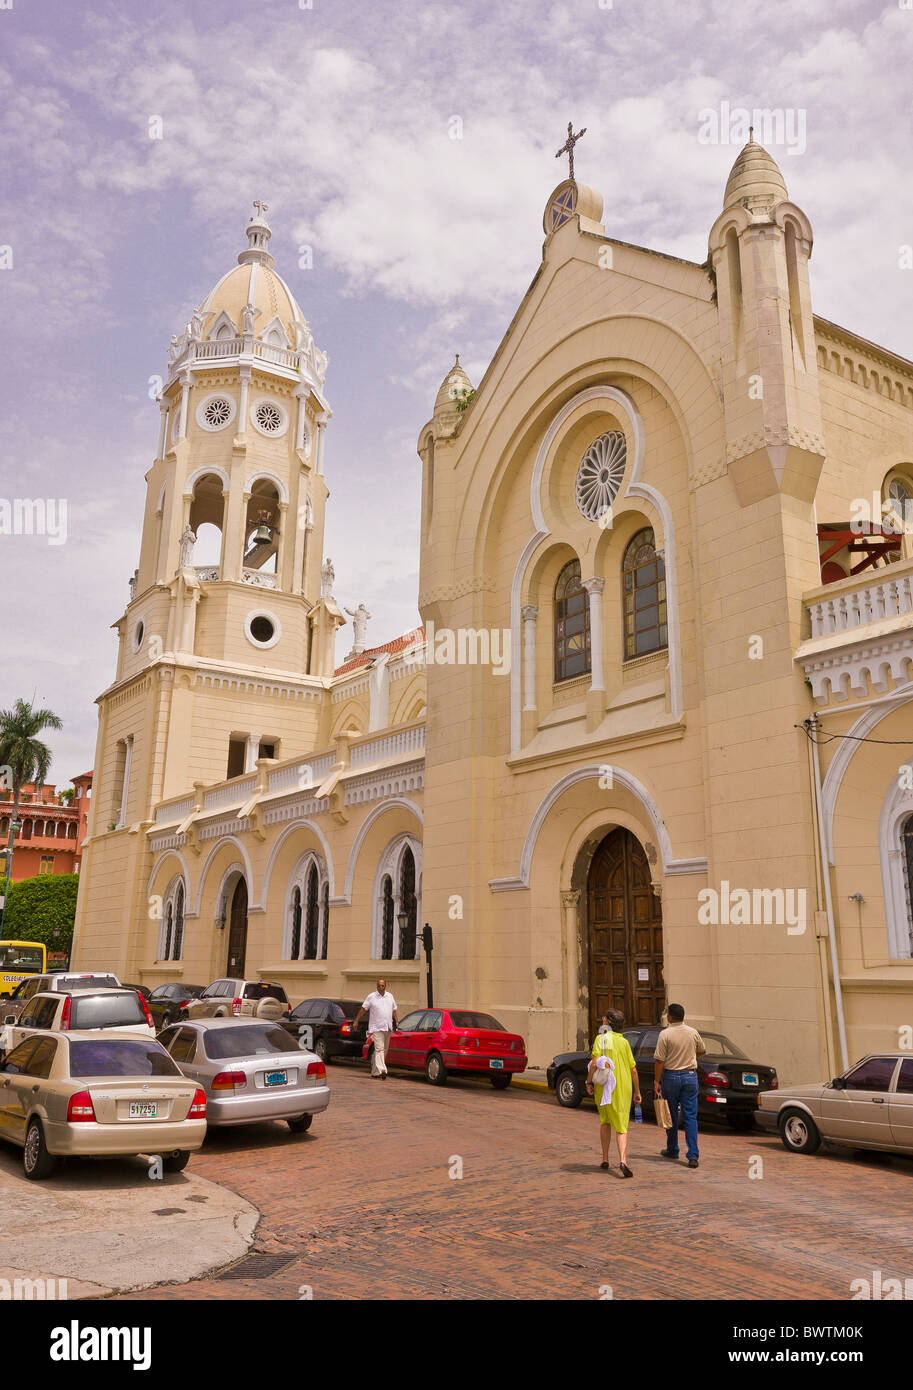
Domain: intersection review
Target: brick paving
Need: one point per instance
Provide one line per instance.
(363, 1205)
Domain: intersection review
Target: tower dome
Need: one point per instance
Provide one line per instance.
(252, 297)
(755, 179)
(455, 387)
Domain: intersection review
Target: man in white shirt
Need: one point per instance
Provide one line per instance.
(381, 1010)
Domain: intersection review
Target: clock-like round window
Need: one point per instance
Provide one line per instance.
(269, 418)
(599, 475)
(215, 412)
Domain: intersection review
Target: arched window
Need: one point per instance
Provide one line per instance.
(307, 910)
(171, 937)
(572, 624)
(644, 596)
(408, 904)
(906, 841)
(312, 914)
(386, 943)
(295, 949)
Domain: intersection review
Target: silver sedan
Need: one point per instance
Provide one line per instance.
(251, 1070)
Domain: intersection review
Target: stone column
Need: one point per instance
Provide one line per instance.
(186, 384)
(529, 613)
(125, 788)
(594, 588)
(321, 432)
(163, 431)
(251, 752)
(569, 903)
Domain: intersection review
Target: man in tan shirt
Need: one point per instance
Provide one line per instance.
(677, 1050)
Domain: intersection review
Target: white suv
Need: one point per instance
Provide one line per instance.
(84, 1009)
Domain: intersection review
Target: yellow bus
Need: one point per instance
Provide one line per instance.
(19, 960)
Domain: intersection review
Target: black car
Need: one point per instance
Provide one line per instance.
(165, 1002)
(728, 1082)
(331, 1021)
(143, 991)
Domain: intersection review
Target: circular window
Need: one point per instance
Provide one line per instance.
(215, 412)
(269, 418)
(139, 633)
(599, 475)
(262, 629)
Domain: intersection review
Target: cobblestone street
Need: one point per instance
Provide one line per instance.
(364, 1206)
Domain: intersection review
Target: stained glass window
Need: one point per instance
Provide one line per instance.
(644, 596)
(572, 624)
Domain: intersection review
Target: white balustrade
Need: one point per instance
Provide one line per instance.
(302, 775)
(408, 741)
(872, 602)
(207, 573)
(232, 795)
(174, 810)
(258, 578)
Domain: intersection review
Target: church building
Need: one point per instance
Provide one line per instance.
(650, 741)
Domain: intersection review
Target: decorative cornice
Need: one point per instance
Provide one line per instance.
(779, 438)
(475, 585)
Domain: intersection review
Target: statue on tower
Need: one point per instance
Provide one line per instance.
(359, 616)
(248, 314)
(327, 578)
(188, 541)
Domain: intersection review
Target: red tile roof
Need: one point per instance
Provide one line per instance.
(399, 644)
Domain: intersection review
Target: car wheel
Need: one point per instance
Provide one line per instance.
(567, 1089)
(175, 1162)
(740, 1122)
(321, 1050)
(501, 1083)
(435, 1071)
(37, 1163)
(799, 1132)
(302, 1123)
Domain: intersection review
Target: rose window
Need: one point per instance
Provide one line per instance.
(600, 473)
(217, 412)
(269, 418)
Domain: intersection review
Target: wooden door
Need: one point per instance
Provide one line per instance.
(237, 931)
(625, 934)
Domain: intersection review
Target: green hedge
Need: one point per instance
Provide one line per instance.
(35, 907)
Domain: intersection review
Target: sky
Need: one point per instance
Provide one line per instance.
(411, 147)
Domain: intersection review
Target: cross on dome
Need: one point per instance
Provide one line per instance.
(568, 146)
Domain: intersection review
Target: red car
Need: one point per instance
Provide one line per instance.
(445, 1042)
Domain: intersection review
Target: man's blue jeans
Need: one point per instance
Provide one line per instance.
(680, 1089)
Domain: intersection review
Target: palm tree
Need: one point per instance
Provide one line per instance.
(23, 758)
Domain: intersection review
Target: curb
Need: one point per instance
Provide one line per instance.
(526, 1083)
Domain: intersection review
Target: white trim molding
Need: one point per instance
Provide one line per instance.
(390, 866)
(620, 778)
(830, 788)
(898, 891)
(396, 803)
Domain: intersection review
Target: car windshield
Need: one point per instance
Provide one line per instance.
(465, 1019)
(256, 991)
(106, 1011)
(719, 1046)
(18, 955)
(114, 1057)
(347, 1008)
(250, 1040)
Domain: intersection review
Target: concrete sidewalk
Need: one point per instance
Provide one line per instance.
(106, 1227)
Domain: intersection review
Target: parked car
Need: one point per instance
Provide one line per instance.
(142, 990)
(728, 1082)
(166, 1002)
(97, 1096)
(332, 1026)
(448, 1042)
(79, 1009)
(251, 1070)
(239, 999)
(55, 980)
(869, 1107)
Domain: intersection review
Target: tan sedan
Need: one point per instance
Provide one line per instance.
(97, 1095)
(868, 1107)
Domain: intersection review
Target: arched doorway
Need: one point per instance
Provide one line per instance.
(237, 931)
(625, 933)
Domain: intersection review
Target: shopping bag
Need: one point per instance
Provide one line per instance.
(663, 1113)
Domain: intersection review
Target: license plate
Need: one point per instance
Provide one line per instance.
(143, 1110)
(749, 1078)
(496, 1065)
(276, 1078)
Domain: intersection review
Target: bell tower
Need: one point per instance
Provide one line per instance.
(228, 636)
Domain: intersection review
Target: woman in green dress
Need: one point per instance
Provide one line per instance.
(613, 1070)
